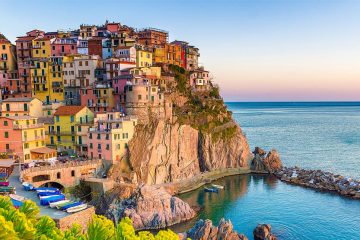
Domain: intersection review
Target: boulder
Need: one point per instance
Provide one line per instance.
(269, 163)
(151, 207)
(205, 230)
(263, 232)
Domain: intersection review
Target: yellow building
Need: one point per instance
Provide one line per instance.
(147, 71)
(159, 55)
(41, 47)
(25, 138)
(56, 80)
(7, 55)
(143, 58)
(21, 106)
(68, 133)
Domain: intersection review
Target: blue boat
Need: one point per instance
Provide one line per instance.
(46, 189)
(16, 203)
(47, 201)
(212, 190)
(71, 205)
(41, 194)
(28, 186)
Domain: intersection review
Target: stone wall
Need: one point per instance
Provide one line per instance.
(83, 218)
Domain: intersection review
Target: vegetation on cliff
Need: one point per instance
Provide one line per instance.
(203, 110)
(25, 224)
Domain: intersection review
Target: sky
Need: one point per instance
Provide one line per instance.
(256, 50)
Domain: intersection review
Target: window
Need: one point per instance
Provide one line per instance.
(73, 173)
(58, 175)
(73, 138)
(91, 146)
(5, 123)
(90, 135)
(8, 106)
(7, 146)
(79, 128)
(71, 118)
(6, 134)
(57, 118)
(99, 145)
(25, 107)
(86, 63)
(58, 138)
(107, 146)
(139, 97)
(80, 63)
(26, 145)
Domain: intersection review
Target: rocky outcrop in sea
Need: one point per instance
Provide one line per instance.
(150, 207)
(265, 163)
(263, 232)
(320, 180)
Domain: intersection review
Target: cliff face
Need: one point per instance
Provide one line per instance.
(163, 152)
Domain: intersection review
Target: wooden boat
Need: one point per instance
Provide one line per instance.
(4, 184)
(28, 186)
(58, 203)
(17, 197)
(7, 190)
(212, 190)
(77, 208)
(74, 204)
(217, 186)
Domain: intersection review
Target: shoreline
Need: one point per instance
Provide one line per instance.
(184, 186)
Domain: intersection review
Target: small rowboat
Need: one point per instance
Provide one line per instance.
(73, 204)
(217, 186)
(4, 184)
(212, 190)
(46, 189)
(58, 203)
(43, 194)
(49, 199)
(17, 200)
(7, 190)
(77, 208)
(49, 196)
(27, 186)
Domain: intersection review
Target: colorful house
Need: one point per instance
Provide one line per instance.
(21, 107)
(152, 37)
(24, 138)
(126, 53)
(63, 46)
(109, 136)
(70, 127)
(143, 57)
(98, 98)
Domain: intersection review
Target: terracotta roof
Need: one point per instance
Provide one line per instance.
(24, 38)
(68, 110)
(43, 150)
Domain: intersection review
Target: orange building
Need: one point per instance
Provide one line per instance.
(152, 37)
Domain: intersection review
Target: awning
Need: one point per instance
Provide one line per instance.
(43, 150)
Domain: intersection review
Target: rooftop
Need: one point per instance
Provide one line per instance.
(27, 99)
(43, 150)
(68, 110)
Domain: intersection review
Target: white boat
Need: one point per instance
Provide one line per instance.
(45, 197)
(55, 204)
(76, 208)
(17, 197)
(217, 186)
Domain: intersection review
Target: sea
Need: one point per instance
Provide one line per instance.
(312, 135)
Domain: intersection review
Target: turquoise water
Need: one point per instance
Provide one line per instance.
(310, 135)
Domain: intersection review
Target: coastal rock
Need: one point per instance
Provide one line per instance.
(266, 163)
(263, 232)
(205, 230)
(320, 180)
(151, 207)
(172, 152)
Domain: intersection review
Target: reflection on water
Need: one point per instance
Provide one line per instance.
(294, 212)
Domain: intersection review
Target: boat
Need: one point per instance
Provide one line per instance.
(213, 190)
(49, 199)
(77, 208)
(7, 190)
(49, 196)
(28, 186)
(74, 204)
(4, 184)
(17, 197)
(55, 204)
(217, 186)
(42, 194)
(64, 204)
(17, 200)
(46, 189)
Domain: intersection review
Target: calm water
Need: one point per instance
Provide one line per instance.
(294, 212)
(310, 135)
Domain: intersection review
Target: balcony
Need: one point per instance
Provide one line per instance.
(102, 104)
(41, 90)
(38, 125)
(61, 133)
(37, 46)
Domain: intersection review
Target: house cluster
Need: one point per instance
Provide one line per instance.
(83, 91)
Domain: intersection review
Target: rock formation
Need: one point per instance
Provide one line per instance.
(204, 230)
(320, 180)
(163, 152)
(263, 232)
(150, 207)
(265, 163)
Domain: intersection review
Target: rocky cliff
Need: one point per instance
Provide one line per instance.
(163, 152)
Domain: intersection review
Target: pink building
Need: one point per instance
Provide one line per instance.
(10, 146)
(63, 46)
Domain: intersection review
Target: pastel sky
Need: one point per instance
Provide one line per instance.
(257, 50)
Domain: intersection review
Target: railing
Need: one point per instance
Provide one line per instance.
(63, 165)
(60, 132)
(38, 125)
